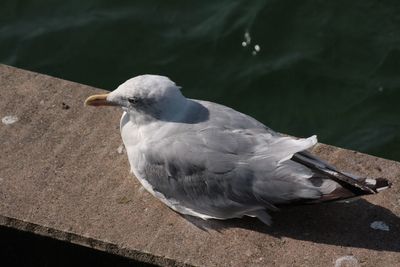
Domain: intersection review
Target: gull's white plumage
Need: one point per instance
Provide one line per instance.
(210, 161)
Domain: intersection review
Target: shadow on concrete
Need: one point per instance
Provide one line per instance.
(340, 224)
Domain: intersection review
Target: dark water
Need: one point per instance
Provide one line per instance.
(27, 249)
(329, 68)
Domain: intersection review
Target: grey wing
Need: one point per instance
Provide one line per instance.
(220, 115)
(226, 173)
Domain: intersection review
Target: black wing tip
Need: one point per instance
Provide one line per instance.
(370, 186)
(381, 184)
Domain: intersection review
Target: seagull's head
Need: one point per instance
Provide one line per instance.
(147, 95)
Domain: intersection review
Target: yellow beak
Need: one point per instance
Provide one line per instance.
(98, 100)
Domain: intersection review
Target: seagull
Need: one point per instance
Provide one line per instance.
(210, 161)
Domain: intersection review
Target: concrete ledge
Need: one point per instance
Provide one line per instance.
(62, 175)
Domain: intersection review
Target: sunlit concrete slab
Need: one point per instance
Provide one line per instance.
(64, 174)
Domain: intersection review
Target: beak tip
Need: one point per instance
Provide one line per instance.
(97, 100)
(86, 103)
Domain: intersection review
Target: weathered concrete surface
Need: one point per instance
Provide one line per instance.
(62, 176)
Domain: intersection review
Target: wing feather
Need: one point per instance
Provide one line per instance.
(228, 173)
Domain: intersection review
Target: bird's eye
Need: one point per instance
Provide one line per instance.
(133, 100)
